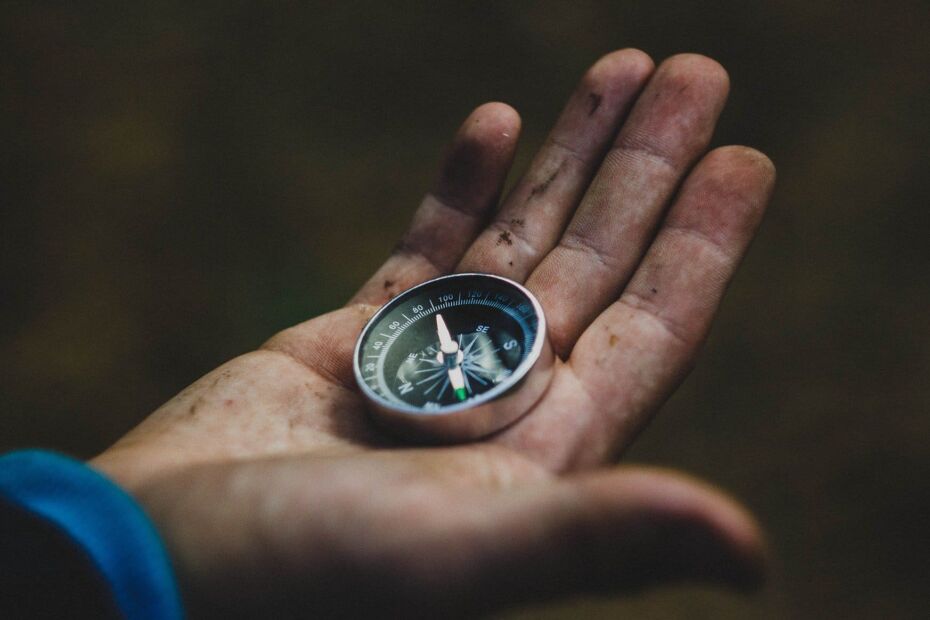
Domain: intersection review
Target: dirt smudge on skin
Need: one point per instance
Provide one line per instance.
(517, 222)
(541, 188)
(594, 102)
(504, 237)
(612, 341)
(461, 170)
(388, 283)
(655, 290)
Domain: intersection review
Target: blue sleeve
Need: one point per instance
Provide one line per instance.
(74, 544)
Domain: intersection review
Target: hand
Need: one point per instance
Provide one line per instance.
(276, 494)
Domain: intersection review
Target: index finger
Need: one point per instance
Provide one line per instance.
(451, 216)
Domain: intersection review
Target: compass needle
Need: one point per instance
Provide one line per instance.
(447, 345)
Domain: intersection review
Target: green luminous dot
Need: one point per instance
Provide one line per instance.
(460, 394)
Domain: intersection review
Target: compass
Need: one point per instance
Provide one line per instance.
(454, 358)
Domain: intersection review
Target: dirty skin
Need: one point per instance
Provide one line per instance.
(594, 102)
(388, 288)
(460, 170)
(541, 189)
(680, 90)
(506, 237)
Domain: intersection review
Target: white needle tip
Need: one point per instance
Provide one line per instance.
(447, 345)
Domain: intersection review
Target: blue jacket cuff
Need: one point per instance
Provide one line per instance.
(101, 519)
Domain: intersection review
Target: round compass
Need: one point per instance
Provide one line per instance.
(455, 358)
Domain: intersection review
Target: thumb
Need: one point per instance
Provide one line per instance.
(609, 532)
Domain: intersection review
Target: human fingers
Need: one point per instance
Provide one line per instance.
(535, 212)
(640, 348)
(469, 184)
(669, 127)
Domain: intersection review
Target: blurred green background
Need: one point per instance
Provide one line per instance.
(180, 181)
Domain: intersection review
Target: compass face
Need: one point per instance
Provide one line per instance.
(449, 344)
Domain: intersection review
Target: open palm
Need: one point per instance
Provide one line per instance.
(276, 493)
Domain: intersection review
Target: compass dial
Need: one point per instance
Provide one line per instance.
(485, 363)
(450, 344)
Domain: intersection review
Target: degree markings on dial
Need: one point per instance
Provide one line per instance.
(416, 317)
(449, 304)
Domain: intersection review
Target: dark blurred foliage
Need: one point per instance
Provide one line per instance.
(180, 180)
